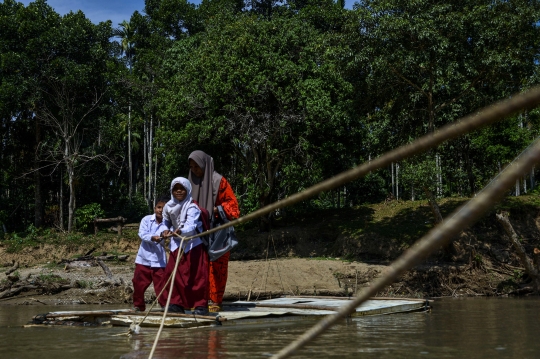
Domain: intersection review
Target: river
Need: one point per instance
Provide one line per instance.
(456, 328)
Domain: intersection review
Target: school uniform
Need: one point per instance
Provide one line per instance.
(191, 278)
(150, 262)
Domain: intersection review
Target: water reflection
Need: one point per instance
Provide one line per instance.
(484, 328)
(196, 345)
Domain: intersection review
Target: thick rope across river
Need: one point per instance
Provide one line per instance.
(439, 235)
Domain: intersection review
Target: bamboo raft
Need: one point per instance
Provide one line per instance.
(234, 313)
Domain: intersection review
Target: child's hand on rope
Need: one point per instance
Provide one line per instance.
(166, 234)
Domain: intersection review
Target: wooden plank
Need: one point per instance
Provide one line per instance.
(179, 315)
(155, 321)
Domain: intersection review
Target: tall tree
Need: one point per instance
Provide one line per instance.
(260, 89)
(72, 88)
(126, 33)
(429, 63)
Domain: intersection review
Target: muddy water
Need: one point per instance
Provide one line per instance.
(466, 328)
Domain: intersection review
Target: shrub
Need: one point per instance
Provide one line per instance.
(86, 214)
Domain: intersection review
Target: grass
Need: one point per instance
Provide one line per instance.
(16, 242)
(52, 265)
(85, 284)
(397, 223)
(51, 278)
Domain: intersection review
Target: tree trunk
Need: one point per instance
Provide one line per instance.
(151, 200)
(130, 164)
(71, 205)
(145, 152)
(155, 174)
(38, 198)
(61, 203)
(439, 175)
(393, 183)
(397, 182)
(514, 239)
(470, 174)
(433, 205)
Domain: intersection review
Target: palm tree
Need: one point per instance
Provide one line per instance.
(126, 34)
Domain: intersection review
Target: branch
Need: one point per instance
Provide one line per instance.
(525, 261)
(407, 80)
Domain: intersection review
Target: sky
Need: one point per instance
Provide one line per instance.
(114, 10)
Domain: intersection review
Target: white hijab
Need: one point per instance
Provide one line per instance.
(177, 210)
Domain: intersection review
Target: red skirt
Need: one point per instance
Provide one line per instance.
(191, 278)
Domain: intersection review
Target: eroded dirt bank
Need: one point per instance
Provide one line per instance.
(335, 256)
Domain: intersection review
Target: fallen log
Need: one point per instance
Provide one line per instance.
(105, 268)
(118, 220)
(13, 277)
(13, 269)
(14, 291)
(514, 239)
(111, 257)
(79, 264)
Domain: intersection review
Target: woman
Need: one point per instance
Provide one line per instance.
(210, 189)
(181, 215)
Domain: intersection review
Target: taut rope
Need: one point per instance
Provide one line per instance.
(437, 237)
(440, 234)
(489, 115)
(171, 278)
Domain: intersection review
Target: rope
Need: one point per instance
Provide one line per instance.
(135, 329)
(181, 252)
(523, 101)
(437, 237)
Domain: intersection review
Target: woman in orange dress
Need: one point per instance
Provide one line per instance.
(210, 189)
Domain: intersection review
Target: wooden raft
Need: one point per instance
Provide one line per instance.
(236, 313)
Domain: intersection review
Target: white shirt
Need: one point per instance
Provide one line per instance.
(187, 228)
(151, 253)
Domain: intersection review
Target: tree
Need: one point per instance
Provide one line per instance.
(126, 34)
(262, 89)
(72, 87)
(429, 63)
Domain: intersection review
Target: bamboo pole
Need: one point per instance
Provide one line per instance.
(437, 237)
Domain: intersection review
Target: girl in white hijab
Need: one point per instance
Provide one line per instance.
(182, 217)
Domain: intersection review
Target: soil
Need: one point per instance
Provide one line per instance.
(300, 259)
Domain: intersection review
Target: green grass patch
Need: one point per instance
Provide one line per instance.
(51, 278)
(85, 284)
(16, 242)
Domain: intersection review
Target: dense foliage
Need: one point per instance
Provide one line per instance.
(96, 119)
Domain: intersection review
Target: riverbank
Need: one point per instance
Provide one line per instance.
(331, 252)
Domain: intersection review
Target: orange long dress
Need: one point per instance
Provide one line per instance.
(219, 268)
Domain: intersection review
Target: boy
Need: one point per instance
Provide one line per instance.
(151, 258)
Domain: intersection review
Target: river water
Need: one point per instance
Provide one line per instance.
(456, 328)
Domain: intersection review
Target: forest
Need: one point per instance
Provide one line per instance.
(96, 119)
